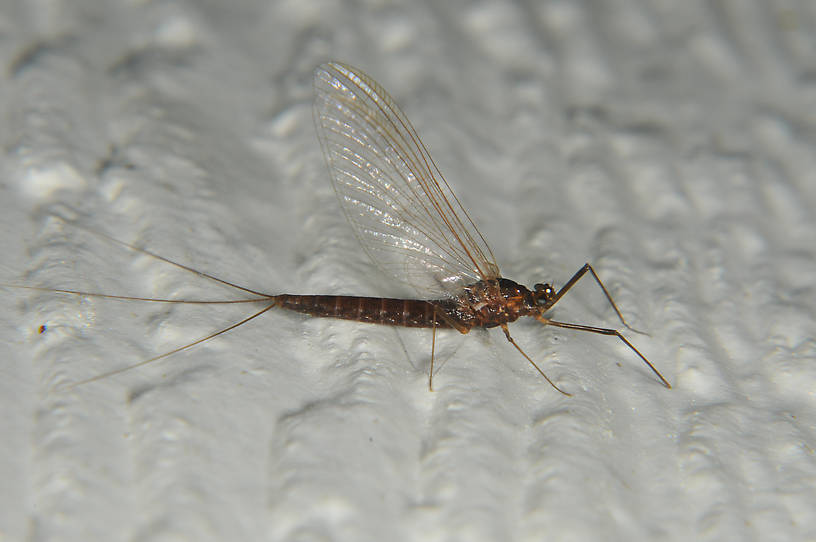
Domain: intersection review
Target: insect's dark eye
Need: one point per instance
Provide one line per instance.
(543, 292)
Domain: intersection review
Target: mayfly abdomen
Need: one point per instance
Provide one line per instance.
(375, 310)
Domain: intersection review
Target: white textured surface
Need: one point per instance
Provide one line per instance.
(669, 143)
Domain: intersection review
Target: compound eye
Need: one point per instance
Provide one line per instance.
(543, 292)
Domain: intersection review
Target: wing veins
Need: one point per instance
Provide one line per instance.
(426, 156)
(422, 180)
(414, 218)
(400, 205)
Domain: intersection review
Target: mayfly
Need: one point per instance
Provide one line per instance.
(412, 226)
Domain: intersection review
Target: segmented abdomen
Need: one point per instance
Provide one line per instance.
(375, 310)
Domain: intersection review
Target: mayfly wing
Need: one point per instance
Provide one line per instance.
(401, 208)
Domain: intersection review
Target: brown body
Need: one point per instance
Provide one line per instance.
(482, 304)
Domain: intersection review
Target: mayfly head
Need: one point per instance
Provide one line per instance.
(543, 294)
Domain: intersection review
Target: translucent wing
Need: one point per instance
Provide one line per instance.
(401, 208)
